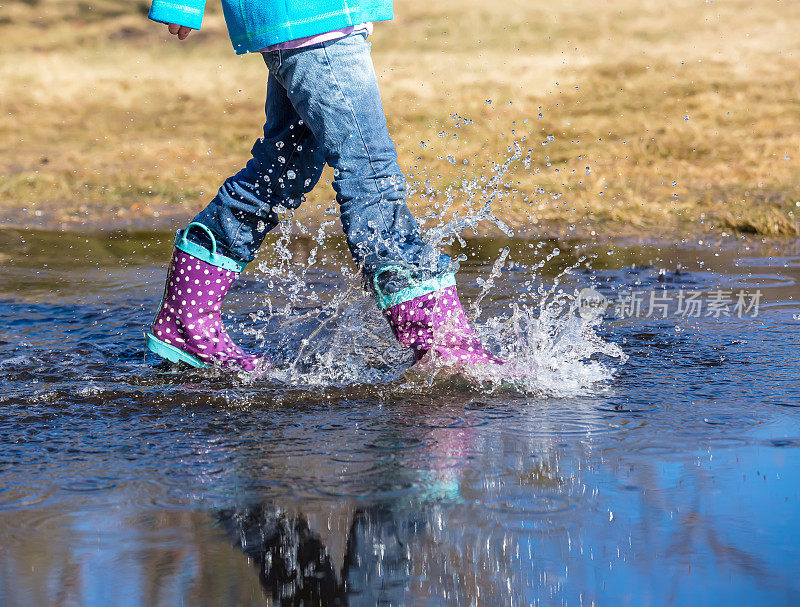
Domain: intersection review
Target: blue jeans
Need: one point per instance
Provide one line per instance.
(323, 106)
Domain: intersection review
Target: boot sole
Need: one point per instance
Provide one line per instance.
(171, 353)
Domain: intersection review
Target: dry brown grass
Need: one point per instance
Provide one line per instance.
(657, 117)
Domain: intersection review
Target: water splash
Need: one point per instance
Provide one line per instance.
(549, 345)
(322, 329)
(554, 351)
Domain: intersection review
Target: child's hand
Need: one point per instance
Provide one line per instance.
(179, 30)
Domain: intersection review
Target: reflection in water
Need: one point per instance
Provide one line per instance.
(673, 482)
(390, 547)
(293, 564)
(376, 567)
(393, 551)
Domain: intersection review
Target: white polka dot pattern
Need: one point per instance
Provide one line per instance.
(189, 317)
(437, 322)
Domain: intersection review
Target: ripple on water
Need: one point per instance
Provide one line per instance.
(628, 407)
(700, 418)
(85, 485)
(788, 261)
(559, 425)
(397, 443)
(361, 456)
(655, 449)
(66, 525)
(530, 504)
(789, 307)
(35, 525)
(462, 422)
(725, 442)
(446, 458)
(757, 281)
(385, 492)
(527, 511)
(733, 420)
(23, 496)
(170, 502)
(783, 443)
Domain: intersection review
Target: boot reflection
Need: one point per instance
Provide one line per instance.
(296, 567)
(353, 551)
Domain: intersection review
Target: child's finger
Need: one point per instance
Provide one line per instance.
(173, 29)
(183, 32)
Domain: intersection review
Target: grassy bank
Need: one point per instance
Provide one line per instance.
(662, 118)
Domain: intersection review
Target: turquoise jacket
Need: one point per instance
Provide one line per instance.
(256, 24)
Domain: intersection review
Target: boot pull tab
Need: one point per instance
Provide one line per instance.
(404, 272)
(384, 301)
(206, 230)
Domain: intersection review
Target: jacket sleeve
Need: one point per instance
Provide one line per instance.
(188, 13)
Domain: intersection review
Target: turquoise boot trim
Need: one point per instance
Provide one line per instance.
(422, 287)
(163, 349)
(200, 252)
(171, 353)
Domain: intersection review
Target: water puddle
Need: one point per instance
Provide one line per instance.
(648, 448)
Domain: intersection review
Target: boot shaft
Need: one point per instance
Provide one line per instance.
(188, 324)
(428, 316)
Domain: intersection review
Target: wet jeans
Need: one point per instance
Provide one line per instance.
(323, 106)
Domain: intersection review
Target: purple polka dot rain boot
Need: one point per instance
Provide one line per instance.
(188, 326)
(428, 317)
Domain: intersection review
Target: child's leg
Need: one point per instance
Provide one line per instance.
(285, 165)
(334, 89)
(213, 250)
(323, 105)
